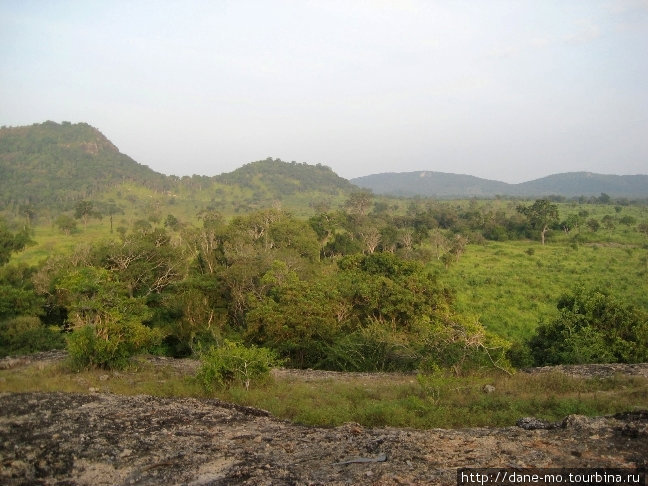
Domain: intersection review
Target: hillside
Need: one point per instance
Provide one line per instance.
(282, 178)
(430, 184)
(587, 184)
(440, 184)
(52, 163)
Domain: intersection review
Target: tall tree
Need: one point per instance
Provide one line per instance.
(84, 210)
(359, 202)
(541, 215)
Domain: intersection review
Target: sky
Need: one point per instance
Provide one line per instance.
(510, 90)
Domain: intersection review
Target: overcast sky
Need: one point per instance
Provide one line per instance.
(507, 90)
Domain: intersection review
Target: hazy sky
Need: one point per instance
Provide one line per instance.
(508, 90)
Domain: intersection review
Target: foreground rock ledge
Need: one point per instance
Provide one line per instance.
(103, 439)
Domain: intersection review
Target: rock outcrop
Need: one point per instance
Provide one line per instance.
(104, 439)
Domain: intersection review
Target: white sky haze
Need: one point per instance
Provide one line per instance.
(507, 90)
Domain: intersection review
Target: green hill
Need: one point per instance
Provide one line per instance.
(51, 163)
(55, 165)
(284, 179)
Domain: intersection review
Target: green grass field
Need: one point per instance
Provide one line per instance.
(511, 290)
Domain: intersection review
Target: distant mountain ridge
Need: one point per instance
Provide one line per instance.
(442, 184)
(59, 163)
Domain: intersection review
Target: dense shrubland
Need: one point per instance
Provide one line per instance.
(366, 287)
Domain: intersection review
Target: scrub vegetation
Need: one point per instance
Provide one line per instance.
(288, 263)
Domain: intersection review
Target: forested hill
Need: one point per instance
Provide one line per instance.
(440, 184)
(51, 163)
(283, 178)
(58, 164)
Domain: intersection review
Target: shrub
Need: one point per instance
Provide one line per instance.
(373, 348)
(26, 334)
(519, 355)
(109, 346)
(592, 327)
(234, 363)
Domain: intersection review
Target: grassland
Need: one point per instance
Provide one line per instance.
(511, 290)
(400, 400)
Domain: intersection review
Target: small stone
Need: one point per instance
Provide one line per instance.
(92, 389)
(488, 389)
(575, 422)
(532, 423)
(125, 453)
(103, 377)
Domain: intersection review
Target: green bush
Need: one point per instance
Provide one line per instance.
(592, 327)
(235, 364)
(519, 355)
(26, 334)
(371, 349)
(109, 346)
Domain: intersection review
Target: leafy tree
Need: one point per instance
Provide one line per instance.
(108, 325)
(628, 220)
(196, 312)
(11, 242)
(342, 244)
(66, 224)
(593, 224)
(643, 228)
(458, 246)
(85, 210)
(573, 221)
(172, 222)
(388, 238)
(207, 242)
(17, 295)
(439, 242)
(146, 262)
(296, 317)
(608, 221)
(541, 215)
(359, 202)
